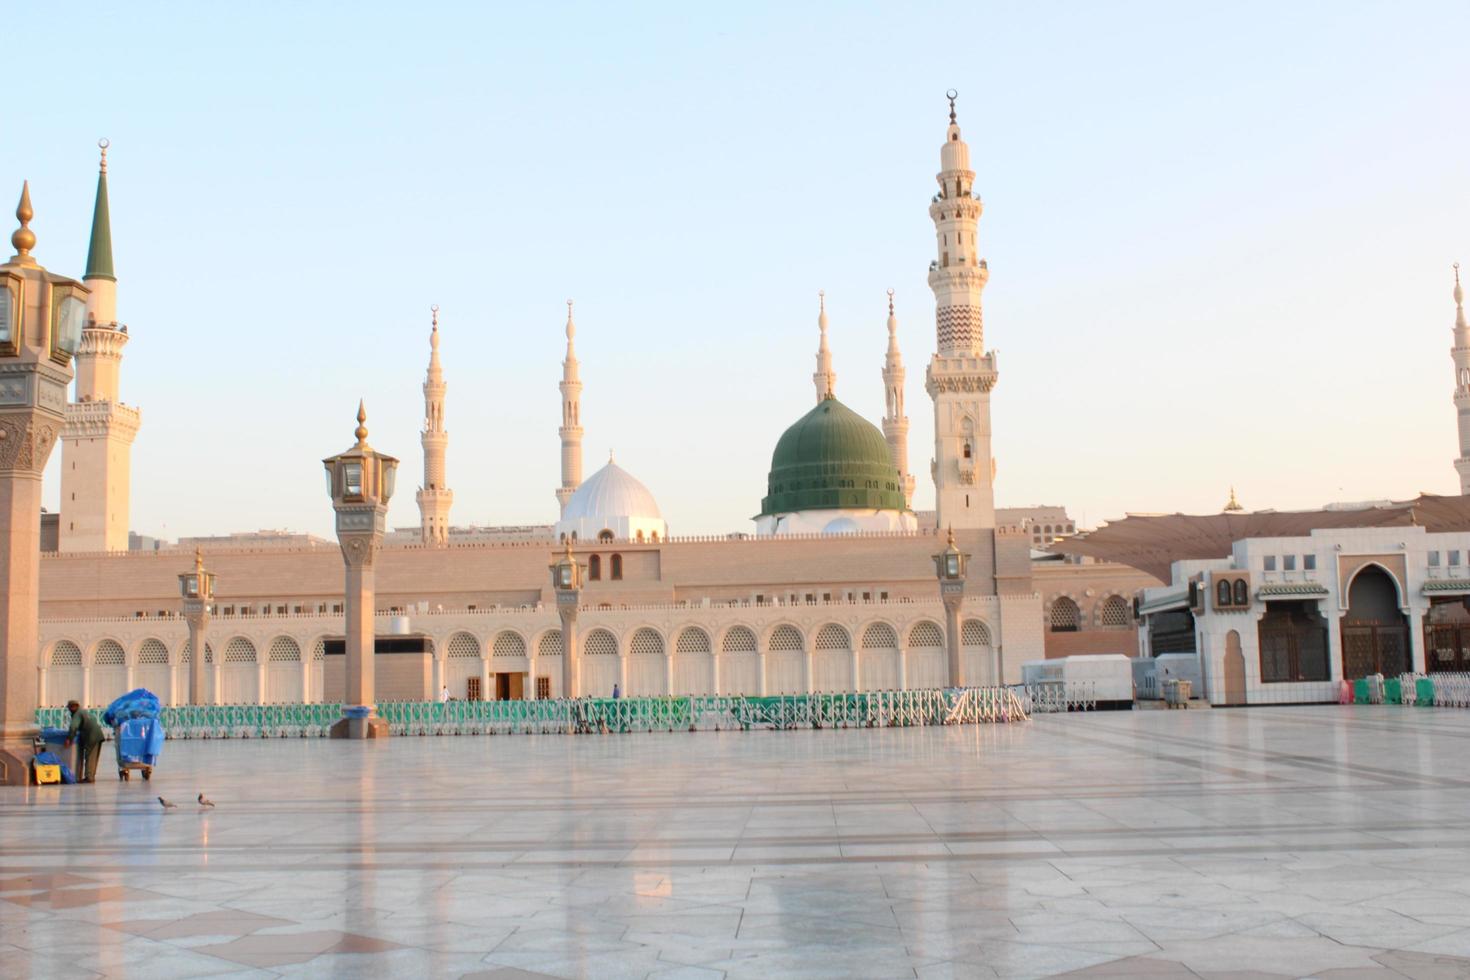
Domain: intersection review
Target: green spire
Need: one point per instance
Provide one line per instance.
(99, 253)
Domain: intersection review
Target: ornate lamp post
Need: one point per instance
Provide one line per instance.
(197, 590)
(949, 564)
(360, 482)
(41, 321)
(566, 579)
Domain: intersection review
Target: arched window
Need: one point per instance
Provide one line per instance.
(600, 643)
(646, 641)
(1064, 616)
(508, 644)
(239, 651)
(879, 636)
(833, 637)
(66, 654)
(283, 649)
(616, 567)
(550, 644)
(463, 645)
(1242, 594)
(604, 535)
(785, 638)
(1222, 592)
(926, 634)
(594, 568)
(153, 652)
(692, 640)
(738, 639)
(110, 654)
(1115, 613)
(974, 633)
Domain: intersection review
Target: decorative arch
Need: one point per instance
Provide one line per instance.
(239, 651)
(646, 641)
(109, 653)
(152, 651)
(692, 639)
(974, 633)
(1064, 616)
(605, 535)
(785, 637)
(509, 643)
(463, 645)
(738, 639)
(833, 637)
(1115, 613)
(65, 653)
(879, 636)
(549, 645)
(926, 633)
(594, 568)
(284, 649)
(1398, 587)
(600, 643)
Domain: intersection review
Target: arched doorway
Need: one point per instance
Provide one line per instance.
(1234, 692)
(1375, 634)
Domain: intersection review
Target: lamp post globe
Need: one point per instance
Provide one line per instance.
(360, 482)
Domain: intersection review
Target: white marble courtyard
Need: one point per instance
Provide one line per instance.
(1326, 842)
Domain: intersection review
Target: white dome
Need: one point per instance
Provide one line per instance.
(612, 499)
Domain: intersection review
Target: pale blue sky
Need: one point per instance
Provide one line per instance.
(1219, 239)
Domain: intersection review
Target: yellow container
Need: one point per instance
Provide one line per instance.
(47, 774)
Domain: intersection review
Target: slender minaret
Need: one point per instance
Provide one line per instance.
(961, 373)
(434, 497)
(97, 440)
(895, 422)
(824, 379)
(1461, 354)
(571, 419)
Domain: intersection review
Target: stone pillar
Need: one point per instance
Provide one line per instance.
(952, 602)
(669, 672)
(566, 609)
(530, 690)
(857, 669)
(760, 673)
(41, 691)
(903, 668)
(486, 692)
(130, 673)
(306, 677)
(807, 657)
(359, 599)
(86, 697)
(623, 672)
(262, 678)
(715, 661)
(198, 628)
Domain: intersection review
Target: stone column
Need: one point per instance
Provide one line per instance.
(262, 677)
(571, 667)
(953, 598)
(807, 658)
(715, 661)
(360, 597)
(669, 672)
(198, 620)
(623, 672)
(530, 690)
(20, 574)
(486, 691)
(86, 697)
(306, 676)
(41, 691)
(857, 668)
(760, 673)
(903, 668)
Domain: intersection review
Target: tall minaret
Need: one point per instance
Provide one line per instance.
(571, 419)
(824, 379)
(895, 422)
(434, 497)
(97, 439)
(961, 374)
(1461, 354)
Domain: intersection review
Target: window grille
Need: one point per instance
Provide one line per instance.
(926, 634)
(1064, 616)
(1115, 612)
(284, 650)
(646, 641)
(879, 636)
(601, 643)
(109, 654)
(66, 654)
(974, 634)
(785, 638)
(550, 644)
(239, 651)
(693, 640)
(833, 637)
(508, 644)
(153, 652)
(739, 640)
(463, 645)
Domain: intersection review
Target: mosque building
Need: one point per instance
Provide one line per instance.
(835, 591)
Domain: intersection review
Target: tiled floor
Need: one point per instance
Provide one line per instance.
(1326, 842)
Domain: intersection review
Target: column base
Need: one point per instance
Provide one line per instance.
(15, 761)
(370, 727)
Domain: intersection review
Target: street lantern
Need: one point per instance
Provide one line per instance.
(360, 482)
(196, 588)
(40, 328)
(949, 566)
(566, 581)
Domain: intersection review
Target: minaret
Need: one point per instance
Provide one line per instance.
(571, 419)
(895, 422)
(961, 373)
(824, 379)
(1461, 354)
(97, 441)
(434, 497)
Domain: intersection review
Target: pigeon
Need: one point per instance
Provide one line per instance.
(205, 802)
(167, 805)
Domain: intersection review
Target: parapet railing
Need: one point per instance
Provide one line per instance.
(874, 709)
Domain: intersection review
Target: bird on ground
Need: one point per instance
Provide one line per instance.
(205, 802)
(167, 805)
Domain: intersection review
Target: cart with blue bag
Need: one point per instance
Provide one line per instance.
(137, 732)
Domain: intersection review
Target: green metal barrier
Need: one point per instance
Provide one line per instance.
(874, 709)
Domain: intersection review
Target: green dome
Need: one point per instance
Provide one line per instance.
(832, 458)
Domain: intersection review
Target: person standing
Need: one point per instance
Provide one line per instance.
(88, 736)
(444, 694)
